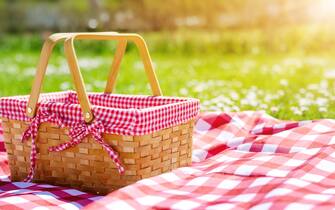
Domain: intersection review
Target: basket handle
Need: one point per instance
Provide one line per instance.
(75, 71)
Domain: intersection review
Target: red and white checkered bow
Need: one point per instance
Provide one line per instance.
(77, 134)
(80, 131)
(43, 115)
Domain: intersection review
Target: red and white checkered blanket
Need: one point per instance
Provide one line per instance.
(245, 160)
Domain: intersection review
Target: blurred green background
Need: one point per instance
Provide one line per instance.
(272, 55)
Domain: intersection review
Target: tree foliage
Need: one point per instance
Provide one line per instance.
(130, 15)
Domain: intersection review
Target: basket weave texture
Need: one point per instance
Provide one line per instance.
(87, 166)
(151, 135)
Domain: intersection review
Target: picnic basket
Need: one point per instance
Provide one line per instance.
(95, 142)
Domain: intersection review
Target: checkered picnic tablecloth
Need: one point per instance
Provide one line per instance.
(245, 160)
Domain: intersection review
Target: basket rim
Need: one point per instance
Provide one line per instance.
(151, 114)
(24, 98)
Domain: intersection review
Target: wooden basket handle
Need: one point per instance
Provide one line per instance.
(75, 71)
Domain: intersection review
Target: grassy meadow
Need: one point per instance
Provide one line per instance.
(288, 72)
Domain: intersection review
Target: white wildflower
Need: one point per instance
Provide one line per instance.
(329, 74)
(304, 108)
(305, 102)
(263, 106)
(324, 84)
(322, 109)
(281, 93)
(321, 102)
(293, 62)
(276, 68)
(283, 82)
(89, 87)
(302, 91)
(138, 65)
(90, 63)
(296, 110)
(183, 91)
(65, 86)
(274, 109)
(29, 71)
(19, 57)
(236, 108)
(234, 95)
(313, 87)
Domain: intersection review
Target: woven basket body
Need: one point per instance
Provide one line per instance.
(160, 143)
(87, 166)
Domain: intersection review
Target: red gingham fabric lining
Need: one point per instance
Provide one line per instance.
(120, 114)
(245, 160)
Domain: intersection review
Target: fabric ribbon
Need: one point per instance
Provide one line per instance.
(80, 131)
(77, 134)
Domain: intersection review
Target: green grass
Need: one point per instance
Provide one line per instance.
(288, 85)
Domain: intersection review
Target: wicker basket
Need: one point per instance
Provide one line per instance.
(154, 137)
